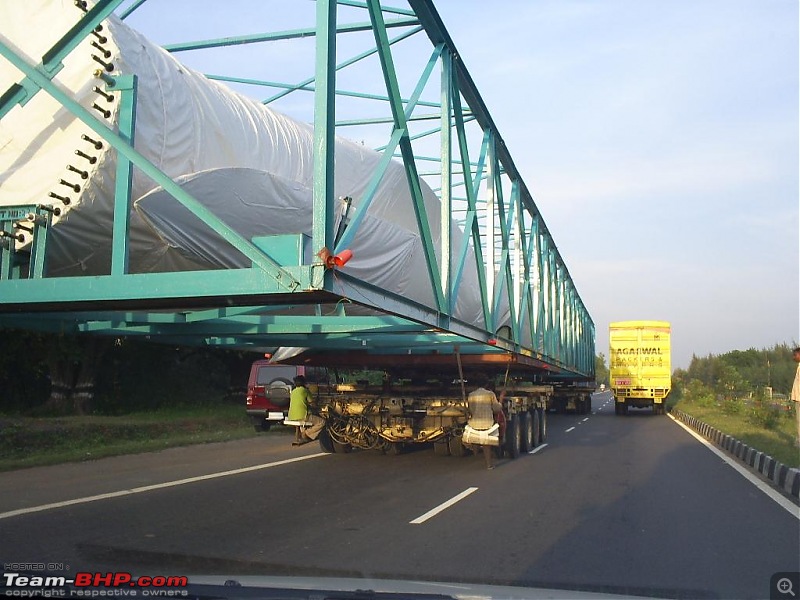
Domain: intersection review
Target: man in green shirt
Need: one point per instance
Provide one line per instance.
(299, 401)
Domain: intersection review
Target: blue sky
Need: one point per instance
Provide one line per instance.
(660, 140)
(658, 137)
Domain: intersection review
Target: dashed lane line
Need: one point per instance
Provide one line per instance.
(568, 430)
(443, 506)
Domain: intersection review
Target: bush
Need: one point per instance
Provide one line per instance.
(698, 393)
(732, 406)
(764, 415)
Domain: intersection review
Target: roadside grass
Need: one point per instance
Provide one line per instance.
(769, 430)
(28, 442)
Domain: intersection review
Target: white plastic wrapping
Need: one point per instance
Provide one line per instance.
(248, 164)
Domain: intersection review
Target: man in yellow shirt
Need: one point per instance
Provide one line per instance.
(299, 401)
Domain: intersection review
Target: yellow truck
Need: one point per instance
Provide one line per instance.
(640, 370)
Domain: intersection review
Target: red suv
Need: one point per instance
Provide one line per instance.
(269, 387)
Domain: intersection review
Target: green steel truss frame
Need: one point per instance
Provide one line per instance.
(440, 130)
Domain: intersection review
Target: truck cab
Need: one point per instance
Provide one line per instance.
(268, 390)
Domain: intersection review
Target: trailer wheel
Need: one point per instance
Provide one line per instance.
(325, 442)
(441, 448)
(339, 448)
(513, 437)
(542, 425)
(456, 446)
(537, 427)
(526, 432)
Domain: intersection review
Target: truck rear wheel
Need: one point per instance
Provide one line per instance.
(536, 417)
(512, 441)
(542, 425)
(325, 442)
(341, 448)
(526, 430)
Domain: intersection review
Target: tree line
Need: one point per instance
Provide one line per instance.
(741, 373)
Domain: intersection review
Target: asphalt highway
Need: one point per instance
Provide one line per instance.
(631, 505)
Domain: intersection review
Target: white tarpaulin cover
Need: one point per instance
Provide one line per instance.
(248, 164)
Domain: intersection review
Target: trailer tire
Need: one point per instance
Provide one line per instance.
(542, 425)
(325, 442)
(456, 446)
(441, 448)
(537, 427)
(512, 441)
(341, 448)
(527, 434)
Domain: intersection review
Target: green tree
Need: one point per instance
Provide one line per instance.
(600, 369)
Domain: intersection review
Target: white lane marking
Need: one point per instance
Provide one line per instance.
(586, 419)
(157, 486)
(443, 506)
(764, 487)
(568, 430)
(540, 447)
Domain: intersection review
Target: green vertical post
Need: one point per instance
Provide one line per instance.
(126, 86)
(6, 256)
(324, 135)
(558, 314)
(447, 176)
(489, 231)
(398, 114)
(520, 267)
(543, 291)
(41, 229)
